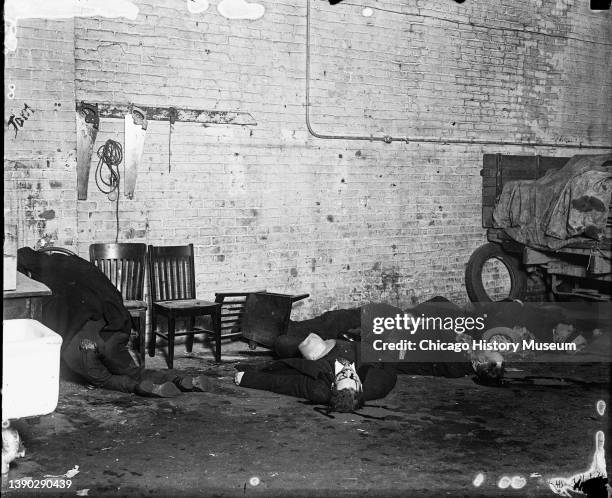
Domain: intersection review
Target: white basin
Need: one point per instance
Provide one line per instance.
(30, 368)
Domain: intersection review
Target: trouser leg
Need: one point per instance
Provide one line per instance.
(333, 323)
(451, 370)
(115, 352)
(161, 376)
(329, 325)
(289, 382)
(119, 361)
(83, 356)
(286, 346)
(377, 381)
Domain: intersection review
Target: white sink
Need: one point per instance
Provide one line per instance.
(30, 369)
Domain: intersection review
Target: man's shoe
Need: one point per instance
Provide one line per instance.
(166, 390)
(202, 383)
(185, 384)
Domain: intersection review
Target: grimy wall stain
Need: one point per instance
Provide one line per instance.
(270, 206)
(39, 168)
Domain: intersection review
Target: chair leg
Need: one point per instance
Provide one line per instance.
(142, 326)
(189, 340)
(171, 327)
(217, 329)
(153, 334)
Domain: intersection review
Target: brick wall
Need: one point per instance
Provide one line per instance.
(518, 70)
(39, 158)
(270, 206)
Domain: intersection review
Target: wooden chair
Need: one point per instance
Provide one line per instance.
(232, 313)
(173, 295)
(248, 315)
(124, 264)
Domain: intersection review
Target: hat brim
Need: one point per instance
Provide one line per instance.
(329, 345)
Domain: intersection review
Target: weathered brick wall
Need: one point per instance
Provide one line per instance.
(270, 206)
(39, 158)
(519, 70)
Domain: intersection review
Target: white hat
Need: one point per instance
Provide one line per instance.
(315, 348)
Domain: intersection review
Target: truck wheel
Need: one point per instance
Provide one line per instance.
(474, 271)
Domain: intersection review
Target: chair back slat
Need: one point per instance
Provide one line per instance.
(166, 271)
(156, 286)
(232, 311)
(124, 265)
(183, 279)
(179, 279)
(172, 272)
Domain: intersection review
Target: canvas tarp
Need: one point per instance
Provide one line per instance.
(564, 206)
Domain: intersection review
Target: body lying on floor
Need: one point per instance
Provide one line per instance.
(87, 311)
(318, 365)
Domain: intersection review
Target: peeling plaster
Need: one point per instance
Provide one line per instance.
(197, 6)
(61, 9)
(240, 9)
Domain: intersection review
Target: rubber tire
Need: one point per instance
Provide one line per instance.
(473, 273)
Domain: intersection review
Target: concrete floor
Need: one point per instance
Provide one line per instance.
(431, 437)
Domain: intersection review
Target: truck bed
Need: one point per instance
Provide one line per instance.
(498, 169)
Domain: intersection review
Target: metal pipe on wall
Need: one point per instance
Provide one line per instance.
(390, 139)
